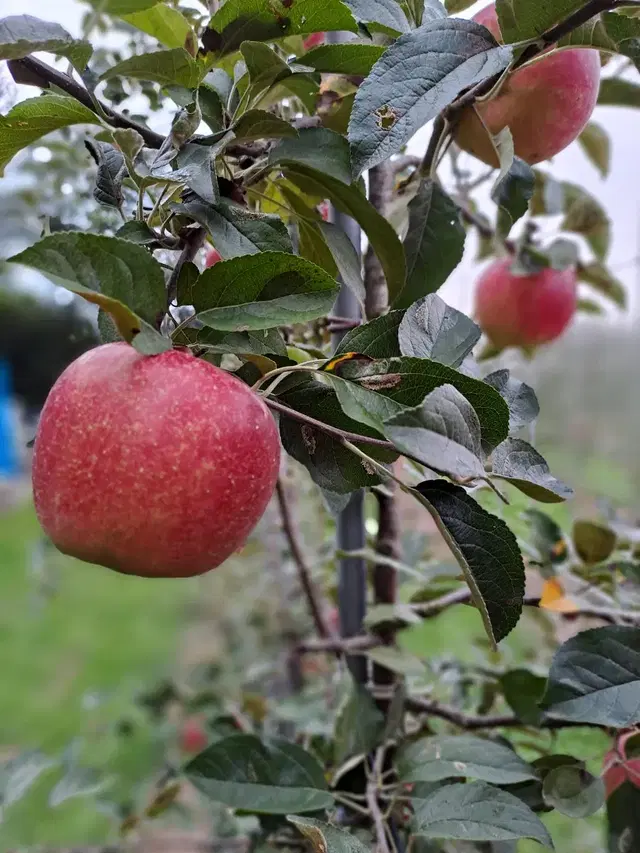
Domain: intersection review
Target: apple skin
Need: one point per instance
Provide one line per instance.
(313, 40)
(545, 104)
(193, 738)
(158, 466)
(212, 257)
(524, 311)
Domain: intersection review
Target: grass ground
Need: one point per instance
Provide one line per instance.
(78, 642)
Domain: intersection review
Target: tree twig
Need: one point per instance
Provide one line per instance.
(373, 783)
(304, 571)
(334, 432)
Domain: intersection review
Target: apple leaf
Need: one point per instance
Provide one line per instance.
(119, 276)
(595, 678)
(521, 465)
(259, 124)
(262, 291)
(522, 691)
(455, 6)
(111, 172)
(609, 32)
(378, 338)
(324, 836)
(35, 117)
(477, 812)
(163, 23)
(320, 149)
(432, 329)
(399, 97)
(434, 243)
(122, 7)
(22, 35)
(519, 397)
(585, 215)
(486, 550)
(358, 727)
(346, 258)
(384, 16)
(236, 231)
(350, 200)
(514, 185)
(594, 542)
(175, 67)
(448, 756)
(274, 777)
(356, 59)
(596, 144)
(243, 20)
(616, 92)
(18, 774)
(522, 19)
(604, 282)
(573, 791)
(443, 433)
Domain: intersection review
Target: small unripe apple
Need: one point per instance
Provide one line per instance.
(158, 466)
(313, 40)
(212, 257)
(193, 737)
(524, 310)
(545, 104)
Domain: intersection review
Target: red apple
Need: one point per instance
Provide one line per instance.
(323, 210)
(619, 766)
(524, 310)
(313, 40)
(193, 737)
(158, 466)
(545, 104)
(212, 257)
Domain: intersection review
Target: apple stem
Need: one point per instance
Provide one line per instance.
(280, 372)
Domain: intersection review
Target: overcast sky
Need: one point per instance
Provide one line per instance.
(620, 192)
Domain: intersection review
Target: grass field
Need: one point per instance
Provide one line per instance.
(77, 643)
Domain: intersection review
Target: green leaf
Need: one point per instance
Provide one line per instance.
(522, 19)
(585, 215)
(486, 550)
(378, 338)
(546, 537)
(350, 200)
(22, 35)
(242, 20)
(119, 276)
(594, 542)
(261, 291)
(477, 812)
(18, 774)
(519, 397)
(398, 97)
(259, 124)
(320, 149)
(448, 756)
(616, 92)
(432, 329)
(275, 777)
(173, 67)
(609, 32)
(596, 144)
(573, 791)
(31, 119)
(358, 727)
(237, 231)
(384, 16)
(522, 691)
(443, 433)
(357, 59)
(137, 232)
(331, 465)
(195, 167)
(602, 280)
(521, 465)
(324, 837)
(264, 66)
(381, 614)
(434, 243)
(513, 188)
(77, 782)
(163, 23)
(398, 661)
(346, 258)
(122, 7)
(407, 381)
(111, 172)
(455, 6)
(595, 678)
(261, 342)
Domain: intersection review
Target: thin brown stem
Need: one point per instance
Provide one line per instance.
(382, 845)
(304, 571)
(334, 432)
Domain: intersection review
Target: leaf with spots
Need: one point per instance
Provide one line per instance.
(117, 275)
(486, 550)
(419, 75)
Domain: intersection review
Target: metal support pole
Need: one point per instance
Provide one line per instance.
(352, 572)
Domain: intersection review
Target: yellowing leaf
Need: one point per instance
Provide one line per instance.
(553, 598)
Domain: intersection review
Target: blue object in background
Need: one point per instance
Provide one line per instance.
(9, 462)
